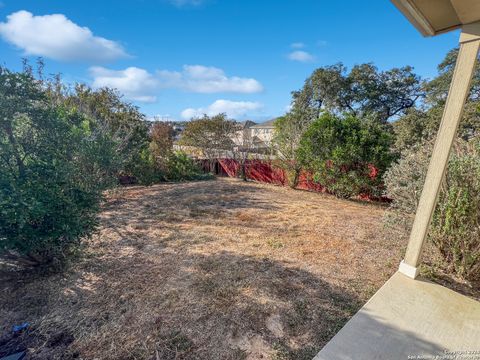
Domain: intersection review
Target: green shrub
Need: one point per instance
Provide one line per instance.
(176, 166)
(340, 151)
(46, 213)
(455, 227)
(145, 168)
(180, 167)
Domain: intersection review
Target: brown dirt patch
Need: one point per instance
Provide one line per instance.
(205, 270)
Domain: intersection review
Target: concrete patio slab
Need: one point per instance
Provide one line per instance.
(409, 319)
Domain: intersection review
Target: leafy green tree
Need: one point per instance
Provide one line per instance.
(111, 116)
(437, 88)
(212, 135)
(421, 124)
(324, 89)
(52, 172)
(108, 116)
(363, 91)
(342, 151)
(437, 91)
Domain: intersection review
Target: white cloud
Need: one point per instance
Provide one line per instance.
(297, 45)
(139, 85)
(207, 79)
(233, 109)
(55, 36)
(135, 83)
(300, 55)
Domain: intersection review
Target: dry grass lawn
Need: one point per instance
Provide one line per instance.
(205, 270)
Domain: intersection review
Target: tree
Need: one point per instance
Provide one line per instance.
(416, 126)
(364, 91)
(324, 89)
(288, 132)
(212, 135)
(437, 88)
(421, 124)
(109, 115)
(52, 172)
(346, 154)
(161, 141)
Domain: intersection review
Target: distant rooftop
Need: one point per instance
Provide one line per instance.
(265, 125)
(247, 124)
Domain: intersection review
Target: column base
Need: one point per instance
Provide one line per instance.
(408, 270)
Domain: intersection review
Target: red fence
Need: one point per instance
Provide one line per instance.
(266, 172)
(261, 171)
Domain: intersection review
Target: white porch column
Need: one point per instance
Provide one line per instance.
(459, 89)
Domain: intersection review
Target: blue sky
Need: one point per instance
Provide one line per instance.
(180, 58)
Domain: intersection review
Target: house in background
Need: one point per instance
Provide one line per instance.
(250, 136)
(242, 137)
(262, 134)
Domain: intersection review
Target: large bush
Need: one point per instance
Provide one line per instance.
(403, 184)
(53, 168)
(347, 155)
(180, 167)
(145, 170)
(455, 228)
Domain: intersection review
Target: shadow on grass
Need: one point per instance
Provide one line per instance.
(218, 306)
(143, 291)
(197, 306)
(183, 306)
